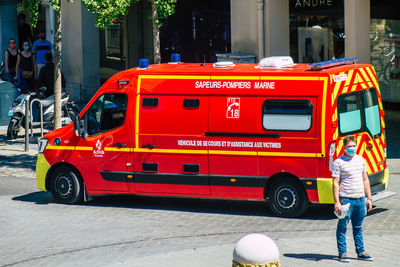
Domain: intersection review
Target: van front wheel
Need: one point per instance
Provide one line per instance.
(65, 185)
(287, 198)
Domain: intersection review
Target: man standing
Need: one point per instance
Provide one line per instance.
(40, 48)
(46, 76)
(351, 185)
(24, 31)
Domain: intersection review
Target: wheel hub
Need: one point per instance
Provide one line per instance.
(64, 186)
(286, 198)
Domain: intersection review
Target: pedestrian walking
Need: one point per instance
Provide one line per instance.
(24, 31)
(25, 69)
(10, 58)
(46, 76)
(351, 186)
(40, 48)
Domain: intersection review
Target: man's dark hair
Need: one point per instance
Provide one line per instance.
(48, 57)
(349, 138)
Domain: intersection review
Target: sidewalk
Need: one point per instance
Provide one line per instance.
(14, 160)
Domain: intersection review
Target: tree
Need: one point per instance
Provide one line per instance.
(106, 11)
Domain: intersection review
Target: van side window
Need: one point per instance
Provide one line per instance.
(106, 113)
(287, 115)
(358, 112)
(349, 114)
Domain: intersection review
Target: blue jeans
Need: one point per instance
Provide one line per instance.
(356, 213)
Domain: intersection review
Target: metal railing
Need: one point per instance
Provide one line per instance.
(40, 115)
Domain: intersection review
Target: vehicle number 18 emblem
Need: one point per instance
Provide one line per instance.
(233, 108)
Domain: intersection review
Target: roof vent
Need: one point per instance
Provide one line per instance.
(222, 64)
(275, 62)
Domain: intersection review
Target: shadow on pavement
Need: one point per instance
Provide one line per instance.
(230, 207)
(19, 161)
(40, 198)
(310, 256)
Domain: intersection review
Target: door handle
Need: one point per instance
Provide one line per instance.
(369, 147)
(119, 145)
(149, 146)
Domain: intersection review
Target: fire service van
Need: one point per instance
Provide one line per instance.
(267, 131)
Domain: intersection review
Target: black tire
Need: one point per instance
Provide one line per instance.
(66, 186)
(12, 130)
(287, 198)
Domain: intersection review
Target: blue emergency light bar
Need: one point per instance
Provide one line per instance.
(333, 63)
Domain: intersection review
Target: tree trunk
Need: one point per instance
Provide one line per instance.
(156, 33)
(57, 69)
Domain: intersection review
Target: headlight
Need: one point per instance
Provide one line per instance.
(42, 144)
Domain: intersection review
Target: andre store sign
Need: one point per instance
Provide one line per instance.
(315, 4)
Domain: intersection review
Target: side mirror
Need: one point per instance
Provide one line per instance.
(79, 127)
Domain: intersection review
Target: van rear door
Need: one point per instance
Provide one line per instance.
(360, 113)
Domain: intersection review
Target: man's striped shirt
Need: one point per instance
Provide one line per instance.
(350, 171)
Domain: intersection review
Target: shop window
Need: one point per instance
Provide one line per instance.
(287, 115)
(385, 56)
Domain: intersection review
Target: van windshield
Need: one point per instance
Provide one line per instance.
(359, 112)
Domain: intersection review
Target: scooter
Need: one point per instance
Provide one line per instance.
(17, 112)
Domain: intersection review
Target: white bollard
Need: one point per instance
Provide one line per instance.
(256, 250)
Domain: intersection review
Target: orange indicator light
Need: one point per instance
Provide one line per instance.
(232, 180)
(308, 183)
(130, 176)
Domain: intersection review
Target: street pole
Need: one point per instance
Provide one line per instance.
(27, 116)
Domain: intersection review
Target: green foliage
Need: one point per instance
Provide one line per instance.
(108, 10)
(33, 8)
(165, 8)
(105, 10)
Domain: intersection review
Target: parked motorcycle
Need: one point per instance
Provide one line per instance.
(17, 112)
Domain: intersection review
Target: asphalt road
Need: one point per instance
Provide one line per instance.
(160, 231)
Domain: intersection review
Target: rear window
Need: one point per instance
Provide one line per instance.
(287, 115)
(359, 112)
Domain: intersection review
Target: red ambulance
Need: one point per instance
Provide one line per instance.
(267, 131)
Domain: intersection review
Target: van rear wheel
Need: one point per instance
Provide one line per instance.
(287, 198)
(66, 186)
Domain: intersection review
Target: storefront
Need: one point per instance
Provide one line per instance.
(385, 47)
(317, 33)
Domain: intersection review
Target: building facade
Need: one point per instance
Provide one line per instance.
(307, 30)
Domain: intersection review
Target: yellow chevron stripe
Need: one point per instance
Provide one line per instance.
(362, 149)
(364, 86)
(336, 134)
(345, 89)
(353, 88)
(380, 147)
(372, 161)
(358, 79)
(374, 80)
(364, 74)
(349, 76)
(370, 84)
(339, 147)
(378, 158)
